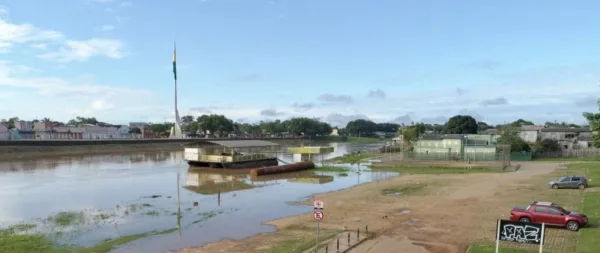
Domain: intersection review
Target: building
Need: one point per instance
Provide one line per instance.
(569, 138)
(4, 134)
(455, 146)
(335, 132)
(25, 129)
(530, 134)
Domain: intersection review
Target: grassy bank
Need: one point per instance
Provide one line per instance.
(15, 239)
(354, 158)
(352, 139)
(298, 244)
(331, 169)
(435, 170)
(492, 249)
(588, 236)
(568, 159)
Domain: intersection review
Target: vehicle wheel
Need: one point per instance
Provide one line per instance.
(554, 186)
(581, 186)
(525, 219)
(573, 225)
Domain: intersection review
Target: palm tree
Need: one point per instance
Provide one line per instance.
(46, 120)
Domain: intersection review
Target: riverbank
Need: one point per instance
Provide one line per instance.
(35, 152)
(418, 213)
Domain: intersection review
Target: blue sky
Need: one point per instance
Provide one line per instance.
(385, 60)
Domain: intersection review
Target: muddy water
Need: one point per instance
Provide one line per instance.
(84, 200)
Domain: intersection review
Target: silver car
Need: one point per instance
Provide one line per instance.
(573, 182)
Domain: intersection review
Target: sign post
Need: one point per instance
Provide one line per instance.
(520, 232)
(318, 214)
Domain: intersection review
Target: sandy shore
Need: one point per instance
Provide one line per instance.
(446, 214)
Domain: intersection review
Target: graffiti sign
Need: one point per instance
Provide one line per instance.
(521, 232)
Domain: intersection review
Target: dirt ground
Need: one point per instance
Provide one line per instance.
(448, 214)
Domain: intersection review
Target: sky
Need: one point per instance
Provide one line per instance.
(338, 60)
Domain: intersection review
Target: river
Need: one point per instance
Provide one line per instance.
(84, 200)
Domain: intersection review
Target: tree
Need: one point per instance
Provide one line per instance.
(521, 122)
(187, 119)
(387, 127)
(307, 127)
(160, 128)
(594, 121)
(410, 134)
(549, 145)
(482, 126)
(361, 127)
(216, 124)
(135, 130)
(460, 124)
(510, 136)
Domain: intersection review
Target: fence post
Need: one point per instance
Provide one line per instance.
(326, 248)
(338, 245)
(367, 230)
(358, 234)
(348, 238)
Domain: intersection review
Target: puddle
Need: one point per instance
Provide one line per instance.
(108, 196)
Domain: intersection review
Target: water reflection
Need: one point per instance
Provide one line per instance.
(129, 194)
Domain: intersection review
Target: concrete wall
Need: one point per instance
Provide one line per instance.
(530, 136)
(436, 145)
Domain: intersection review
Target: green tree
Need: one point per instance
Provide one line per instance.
(482, 126)
(594, 121)
(160, 128)
(387, 127)
(510, 136)
(460, 124)
(187, 119)
(361, 127)
(216, 124)
(548, 145)
(410, 134)
(135, 130)
(521, 122)
(11, 122)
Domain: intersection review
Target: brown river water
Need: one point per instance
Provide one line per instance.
(84, 200)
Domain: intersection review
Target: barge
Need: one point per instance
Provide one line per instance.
(231, 154)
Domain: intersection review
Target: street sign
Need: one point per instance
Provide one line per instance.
(318, 215)
(318, 204)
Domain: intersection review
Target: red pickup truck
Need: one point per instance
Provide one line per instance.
(549, 213)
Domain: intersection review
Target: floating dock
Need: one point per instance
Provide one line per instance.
(238, 154)
(308, 153)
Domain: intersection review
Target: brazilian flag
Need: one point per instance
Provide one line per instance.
(174, 62)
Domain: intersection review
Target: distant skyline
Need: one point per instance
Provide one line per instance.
(338, 60)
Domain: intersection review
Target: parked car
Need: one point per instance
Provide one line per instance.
(549, 213)
(574, 182)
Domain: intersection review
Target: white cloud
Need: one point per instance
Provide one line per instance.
(82, 50)
(40, 46)
(106, 28)
(23, 33)
(71, 50)
(125, 4)
(63, 99)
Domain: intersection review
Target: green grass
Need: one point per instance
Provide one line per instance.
(331, 169)
(403, 189)
(354, 158)
(67, 218)
(588, 236)
(14, 242)
(492, 249)
(152, 213)
(342, 174)
(568, 159)
(434, 170)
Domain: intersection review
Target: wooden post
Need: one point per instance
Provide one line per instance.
(338, 245)
(326, 248)
(348, 238)
(367, 230)
(358, 234)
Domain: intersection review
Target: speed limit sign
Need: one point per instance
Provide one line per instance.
(318, 215)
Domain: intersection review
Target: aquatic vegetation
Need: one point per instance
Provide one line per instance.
(331, 169)
(342, 174)
(146, 205)
(152, 213)
(207, 215)
(67, 218)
